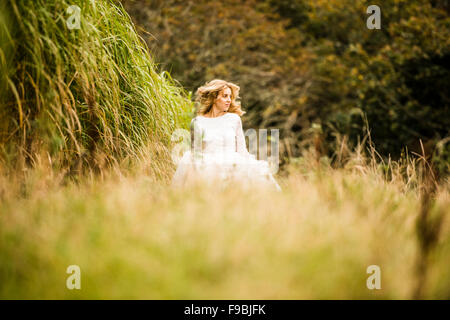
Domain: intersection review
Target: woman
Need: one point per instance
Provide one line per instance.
(218, 150)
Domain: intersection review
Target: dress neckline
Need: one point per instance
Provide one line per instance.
(214, 117)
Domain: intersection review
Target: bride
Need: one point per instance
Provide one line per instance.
(218, 150)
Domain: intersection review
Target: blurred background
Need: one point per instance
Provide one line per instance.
(314, 68)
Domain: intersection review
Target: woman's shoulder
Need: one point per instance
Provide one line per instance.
(234, 116)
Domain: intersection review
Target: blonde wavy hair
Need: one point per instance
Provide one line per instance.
(207, 94)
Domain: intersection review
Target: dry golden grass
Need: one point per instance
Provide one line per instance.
(134, 236)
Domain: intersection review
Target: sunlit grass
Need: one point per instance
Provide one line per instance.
(135, 237)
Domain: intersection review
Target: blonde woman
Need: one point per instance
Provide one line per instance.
(218, 149)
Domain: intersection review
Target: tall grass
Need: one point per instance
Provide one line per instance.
(136, 237)
(85, 98)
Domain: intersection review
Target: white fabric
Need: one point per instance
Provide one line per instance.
(220, 153)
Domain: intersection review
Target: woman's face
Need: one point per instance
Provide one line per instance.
(223, 100)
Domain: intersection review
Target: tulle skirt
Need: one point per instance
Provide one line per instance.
(226, 168)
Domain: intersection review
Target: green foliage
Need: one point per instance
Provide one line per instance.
(397, 75)
(89, 96)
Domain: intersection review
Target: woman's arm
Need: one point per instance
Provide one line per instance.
(240, 139)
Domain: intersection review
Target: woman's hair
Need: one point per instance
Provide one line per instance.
(207, 94)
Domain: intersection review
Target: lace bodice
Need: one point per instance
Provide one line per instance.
(221, 134)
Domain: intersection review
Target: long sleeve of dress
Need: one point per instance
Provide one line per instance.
(240, 139)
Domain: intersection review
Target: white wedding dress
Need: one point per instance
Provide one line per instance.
(219, 153)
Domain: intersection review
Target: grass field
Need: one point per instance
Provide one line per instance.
(135, 237)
